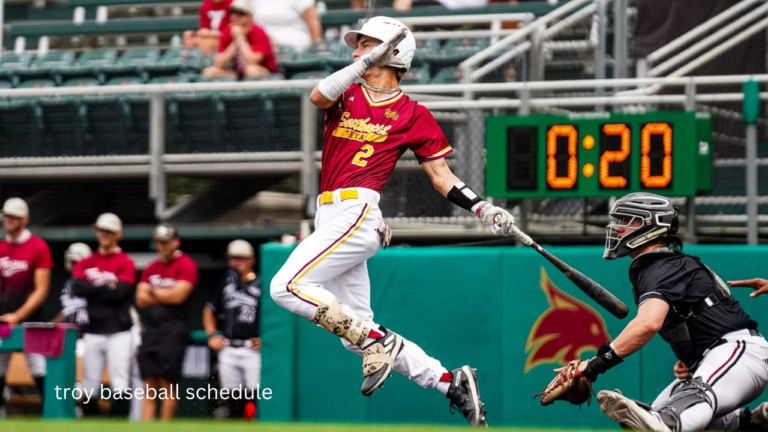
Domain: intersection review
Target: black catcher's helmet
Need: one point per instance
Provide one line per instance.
(637, 219)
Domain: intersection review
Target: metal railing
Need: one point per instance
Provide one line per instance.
(536, 37)
(157, 164)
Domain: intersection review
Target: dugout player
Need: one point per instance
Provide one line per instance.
(74, 309)
(106, 280)
(25, 275)
(368, 126)
(164, 293)
(237, 299)
(692, 309)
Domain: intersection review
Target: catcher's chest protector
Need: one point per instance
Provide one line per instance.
(676, 330)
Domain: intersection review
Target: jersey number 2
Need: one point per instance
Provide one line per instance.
(360, 158)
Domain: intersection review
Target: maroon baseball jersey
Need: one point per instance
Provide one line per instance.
(18, 262)
(163, 275)
(108, 306)
(103, 269)
(364, 139)
(214, 15)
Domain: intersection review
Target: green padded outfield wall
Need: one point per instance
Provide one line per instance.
(505, 311)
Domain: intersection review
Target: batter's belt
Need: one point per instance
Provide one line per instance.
(344, 194)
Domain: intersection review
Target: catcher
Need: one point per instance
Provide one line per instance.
(720, 351)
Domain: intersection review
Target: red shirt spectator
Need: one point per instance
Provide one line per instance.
(214, 15)
(18, 261)
(163, 275)
(259, 43)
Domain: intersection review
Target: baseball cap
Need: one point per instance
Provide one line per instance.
(240, 248)
(164, 232)
(109, 222)
(15, 207)
(242, 6)
(77, 251)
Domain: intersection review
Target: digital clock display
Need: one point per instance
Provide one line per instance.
(598, 155)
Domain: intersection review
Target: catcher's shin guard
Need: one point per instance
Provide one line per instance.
(464, 394)
(332, 318)
(378, 360)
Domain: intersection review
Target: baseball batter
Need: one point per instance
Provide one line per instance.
(721, 354)
(106, 280)
(368, 126)
(25, 275)
(237, 299)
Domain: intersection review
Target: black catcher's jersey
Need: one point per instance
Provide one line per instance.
(74, 309)
(239, 302)
(684, 282)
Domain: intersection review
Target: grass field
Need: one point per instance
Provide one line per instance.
(227, 426)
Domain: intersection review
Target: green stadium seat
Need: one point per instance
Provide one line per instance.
(176, 60)
(455, 51)
(125, 80)
(450, 75)
(195, 123)
(42, 67)
(315, 57)
(170, 79)
(317, 74)
(6, 84)
(342, 58)
(10, 63)
(217, 79)
(270, 77)
(284, 108)
(132, 62)
(107, 124)
(248, 122)
(81, 82)
(87, 65)
(426, 51)
(21, 128)
(416, 76)
(37, 83)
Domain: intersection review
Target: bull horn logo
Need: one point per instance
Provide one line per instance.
(564, 331)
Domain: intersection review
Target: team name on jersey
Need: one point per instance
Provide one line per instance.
(9, 267)
(360, 130)
(161, 282)
(98, 277)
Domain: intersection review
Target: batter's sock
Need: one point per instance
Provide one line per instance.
(445, 383)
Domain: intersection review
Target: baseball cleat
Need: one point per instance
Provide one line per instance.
(464, 394)
(378, 360)
(760, 415)
(628, 413)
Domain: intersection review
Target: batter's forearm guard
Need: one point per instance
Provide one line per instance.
(605, 359)
(464, 197)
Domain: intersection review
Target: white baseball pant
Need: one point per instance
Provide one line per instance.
(35, 364)
(239, 367)
(116, 350)
(331, 263)
(738, 374)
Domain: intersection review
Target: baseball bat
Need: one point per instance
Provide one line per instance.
(594, 290)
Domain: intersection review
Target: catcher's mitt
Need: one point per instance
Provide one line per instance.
(569, 385)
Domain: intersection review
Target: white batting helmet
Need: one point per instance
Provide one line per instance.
(383, 28)
(74, 253)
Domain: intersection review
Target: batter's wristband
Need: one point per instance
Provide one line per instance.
(463, 196)
(605, 359)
